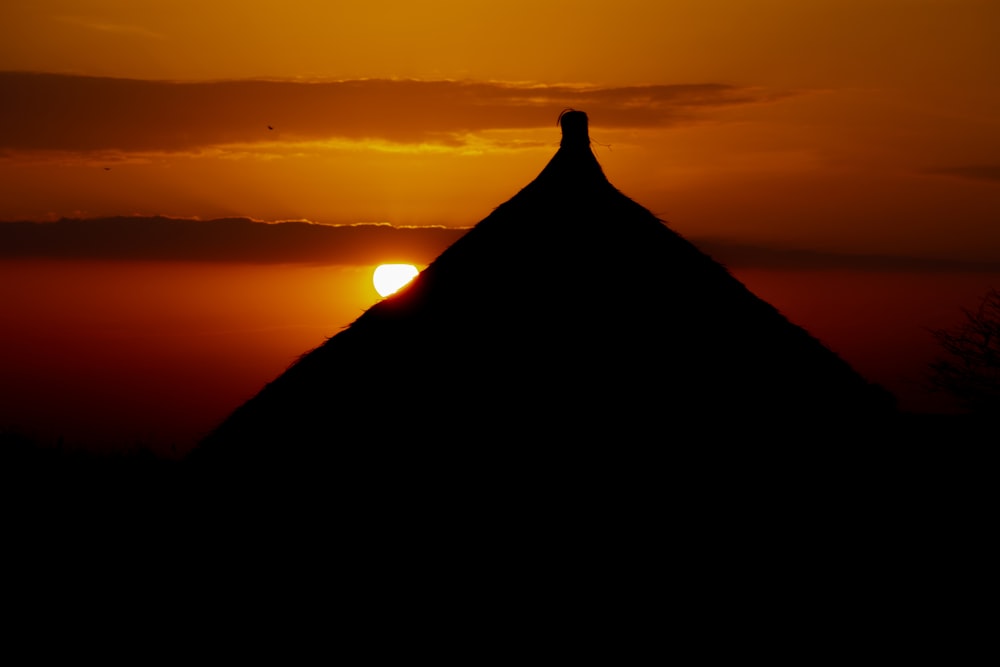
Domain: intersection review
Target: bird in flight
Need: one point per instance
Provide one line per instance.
(269, 127)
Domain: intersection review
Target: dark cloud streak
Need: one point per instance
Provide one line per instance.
(738, 255)
(244, 240)
(77, 113)
(979, 172)
(221, 240)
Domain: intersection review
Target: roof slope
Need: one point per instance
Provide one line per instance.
(569, 312)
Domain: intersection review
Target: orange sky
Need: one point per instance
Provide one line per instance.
(851, 125)
(857, 126)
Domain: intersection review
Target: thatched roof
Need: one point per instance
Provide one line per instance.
(570, 313)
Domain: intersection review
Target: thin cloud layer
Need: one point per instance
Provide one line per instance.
(977, 172)
(222, 240)
(301, 242)
(76, 113)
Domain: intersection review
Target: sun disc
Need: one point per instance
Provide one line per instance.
(390, 278)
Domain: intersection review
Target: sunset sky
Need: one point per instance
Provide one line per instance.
(860, 125)
(843, 126)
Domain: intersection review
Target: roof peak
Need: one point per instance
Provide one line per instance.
(574, 128)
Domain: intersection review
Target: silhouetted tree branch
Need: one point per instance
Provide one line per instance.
(971, 373)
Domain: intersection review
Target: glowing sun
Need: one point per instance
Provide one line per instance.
(390, 278)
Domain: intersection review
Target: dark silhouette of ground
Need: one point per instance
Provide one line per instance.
(569, 316)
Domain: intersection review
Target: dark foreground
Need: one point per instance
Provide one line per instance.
(877, 544)
(912, 454)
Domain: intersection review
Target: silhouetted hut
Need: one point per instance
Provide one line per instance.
(569, 316)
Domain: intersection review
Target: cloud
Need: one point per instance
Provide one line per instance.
(77, 113)
(108, 27)
(740, 255)
(302, 242)
(222, 240)
(980, 172)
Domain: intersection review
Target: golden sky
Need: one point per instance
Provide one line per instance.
(830, 126)
(850, 125)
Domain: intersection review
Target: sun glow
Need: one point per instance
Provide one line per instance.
(390, 278)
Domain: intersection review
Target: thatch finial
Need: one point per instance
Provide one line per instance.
(574, 128)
